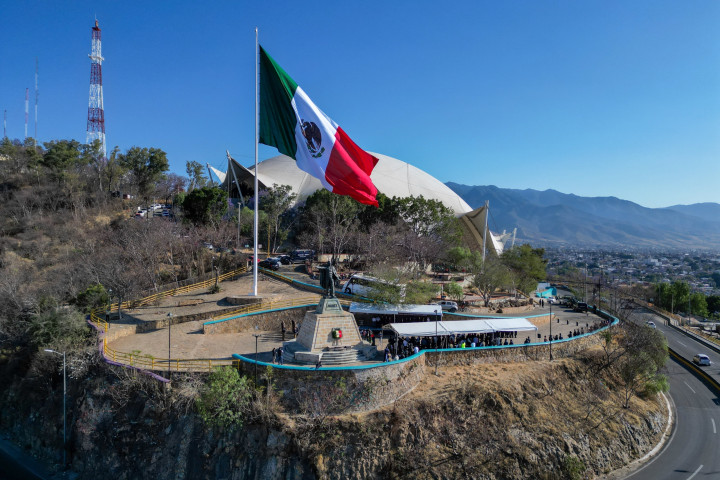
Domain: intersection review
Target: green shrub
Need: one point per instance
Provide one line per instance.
(95, 296)
(58, 327)
(225, 398)
(573, 468)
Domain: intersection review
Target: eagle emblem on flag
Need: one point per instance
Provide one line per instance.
(313, 138)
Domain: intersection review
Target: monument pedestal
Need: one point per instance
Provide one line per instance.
(315, 338)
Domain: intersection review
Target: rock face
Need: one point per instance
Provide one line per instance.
(509, 421)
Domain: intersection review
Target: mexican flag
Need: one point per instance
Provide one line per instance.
(292, 123)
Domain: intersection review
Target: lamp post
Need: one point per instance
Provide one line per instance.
(169, 315)
(64, 405)
(256, 335)
(437, 344)
(551, 339)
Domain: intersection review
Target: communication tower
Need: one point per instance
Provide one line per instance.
(96, 113)
(27, 101)
(37, 92)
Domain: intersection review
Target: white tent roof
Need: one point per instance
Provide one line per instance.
(430, 329)
(386, 309)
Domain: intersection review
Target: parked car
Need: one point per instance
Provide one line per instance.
(702, 360)
(553, 300)
(299, 256)
(270, 264)
(581, 307)
(448, 305)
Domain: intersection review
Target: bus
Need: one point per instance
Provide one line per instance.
(366, 286)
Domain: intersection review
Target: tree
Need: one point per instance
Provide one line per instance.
(646, 352)
(490, 275)
(698, 304)
(61, 155)
(92, 155)
(329, 220)
(275, 202)
(147, 166)
(454, 291)
(225, 398)
(196, 173)
(114, 170)
(713, 303)
(527, 265)
(205, 205)
(431, 229)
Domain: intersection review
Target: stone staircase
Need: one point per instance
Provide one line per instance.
(337, 356)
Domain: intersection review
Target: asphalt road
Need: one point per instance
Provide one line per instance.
(692, 451)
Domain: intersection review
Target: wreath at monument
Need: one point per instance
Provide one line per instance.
(337, 333)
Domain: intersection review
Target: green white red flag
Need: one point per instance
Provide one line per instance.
(292, 123)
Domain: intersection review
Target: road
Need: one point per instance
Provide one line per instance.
(692, 449)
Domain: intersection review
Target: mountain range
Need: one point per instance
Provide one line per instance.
(552, 218)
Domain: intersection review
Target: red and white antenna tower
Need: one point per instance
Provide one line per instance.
(96, 113)
(27, 102)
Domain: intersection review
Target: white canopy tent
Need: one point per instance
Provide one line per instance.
(461, 327)
(387, 309)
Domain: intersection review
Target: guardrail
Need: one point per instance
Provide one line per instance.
(699, 372)
(176, 291)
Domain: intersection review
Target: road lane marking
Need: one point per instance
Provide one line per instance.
(713, 422)
(691, 389)
(696, 472)
(681, 343)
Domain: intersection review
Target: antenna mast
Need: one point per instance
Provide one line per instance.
(5, 124)
(27, 101)
(96, 112)
(37, 92)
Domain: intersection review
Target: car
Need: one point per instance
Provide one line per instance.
(650, 324)
(285, 259)
(553, 300)
(581, 307)
(299, 256)
(702, 360)
(270, 264)
(208, 245)
(448, 305)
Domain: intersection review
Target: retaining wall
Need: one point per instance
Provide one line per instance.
(347, 389)
(266, 321)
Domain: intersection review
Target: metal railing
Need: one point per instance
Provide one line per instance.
(176, 291)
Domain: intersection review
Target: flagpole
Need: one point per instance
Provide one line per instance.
(255, 216)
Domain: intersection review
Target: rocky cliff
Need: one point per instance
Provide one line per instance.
(510, 420)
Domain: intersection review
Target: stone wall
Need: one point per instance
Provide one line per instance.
(346, 390)
(266, 321)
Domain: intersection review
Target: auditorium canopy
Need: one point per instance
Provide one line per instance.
(391, 176)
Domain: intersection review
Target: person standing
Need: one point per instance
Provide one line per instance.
(282, 329)
(280, 355)
(274, 354)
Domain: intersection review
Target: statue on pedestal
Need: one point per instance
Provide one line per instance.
(328, 279)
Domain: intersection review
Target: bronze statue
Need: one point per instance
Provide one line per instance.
(328, 279)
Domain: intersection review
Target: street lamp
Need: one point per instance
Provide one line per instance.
(169, 315)
(437, 342)
(64, 405)
(256, 335)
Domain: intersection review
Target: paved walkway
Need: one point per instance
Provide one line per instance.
(187, 340)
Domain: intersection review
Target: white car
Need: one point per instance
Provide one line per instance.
(651, 324)
(448, 305)
(702, 360)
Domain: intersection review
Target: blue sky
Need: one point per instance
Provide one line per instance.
(596, 98)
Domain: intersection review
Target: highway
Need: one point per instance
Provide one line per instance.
(692, 451)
